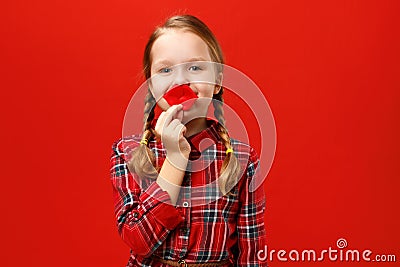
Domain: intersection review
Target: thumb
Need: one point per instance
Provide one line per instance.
(183, 130)
(179, 115)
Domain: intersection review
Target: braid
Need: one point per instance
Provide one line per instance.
(143, 159)
(149, 104)
(218, 111)
(230, 169)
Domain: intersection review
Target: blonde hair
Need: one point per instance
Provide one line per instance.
(143, 158)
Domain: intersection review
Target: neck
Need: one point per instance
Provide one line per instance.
(195, 126)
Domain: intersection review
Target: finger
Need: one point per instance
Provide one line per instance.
(170, 132)
(160, 123)
(179, 115)
(181, 129)
(174, 123)
(170, 113)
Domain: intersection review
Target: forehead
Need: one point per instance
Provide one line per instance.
(178, 46)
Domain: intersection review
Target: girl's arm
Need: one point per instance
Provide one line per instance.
(170, 178)
(171, 132)
(144, 219)
(250, 225)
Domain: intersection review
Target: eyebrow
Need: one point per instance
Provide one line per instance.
(196, 59)
(162, 63)
(166, 62)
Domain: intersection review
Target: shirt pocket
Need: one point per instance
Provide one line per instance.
(224, 209)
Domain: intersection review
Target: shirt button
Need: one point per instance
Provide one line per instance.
(185, 230)
(135, 215)
(185, 204)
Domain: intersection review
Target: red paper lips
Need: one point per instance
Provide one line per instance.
(181, 94)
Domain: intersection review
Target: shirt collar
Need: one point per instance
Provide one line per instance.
(205, 138)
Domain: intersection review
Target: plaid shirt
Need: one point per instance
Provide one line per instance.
(231, 226)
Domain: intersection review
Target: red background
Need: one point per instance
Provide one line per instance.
(329, 69)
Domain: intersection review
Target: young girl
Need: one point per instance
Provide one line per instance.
(181, 188)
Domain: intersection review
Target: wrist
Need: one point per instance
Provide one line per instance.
(178, 160)
(178, 154)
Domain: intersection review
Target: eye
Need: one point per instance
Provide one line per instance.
(194, 68)
(165, 70)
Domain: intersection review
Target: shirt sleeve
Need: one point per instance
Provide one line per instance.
(144, 218)
(250, 225)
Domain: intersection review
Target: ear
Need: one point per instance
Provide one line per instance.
(218, 83)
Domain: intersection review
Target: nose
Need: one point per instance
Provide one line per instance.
(180, 77)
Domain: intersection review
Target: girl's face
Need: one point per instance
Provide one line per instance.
(182, 57)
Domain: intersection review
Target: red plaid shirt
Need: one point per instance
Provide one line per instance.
(230, 226)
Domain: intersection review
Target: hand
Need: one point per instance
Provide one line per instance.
(171, 131)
